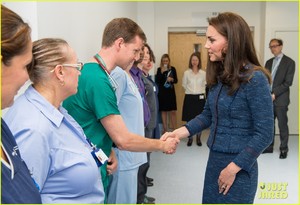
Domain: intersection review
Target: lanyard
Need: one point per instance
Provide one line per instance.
(101, 63)
(94, 147)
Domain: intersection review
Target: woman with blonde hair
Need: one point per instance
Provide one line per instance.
(166, 77)
(62, 161)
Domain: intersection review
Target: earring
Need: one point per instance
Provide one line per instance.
(62, 83)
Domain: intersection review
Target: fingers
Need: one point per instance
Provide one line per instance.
(224, 185)
(112, 163)
(165, 136)
(223, 188)
(110, 169)
(170, 151)
(170, 145)
(109, 172)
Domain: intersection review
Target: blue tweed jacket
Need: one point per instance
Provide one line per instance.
(242, 123)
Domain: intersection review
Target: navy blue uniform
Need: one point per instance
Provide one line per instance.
(17, 186)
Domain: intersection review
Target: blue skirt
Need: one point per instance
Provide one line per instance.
(243, 188)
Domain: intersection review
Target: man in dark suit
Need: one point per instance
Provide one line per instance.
(282, 69)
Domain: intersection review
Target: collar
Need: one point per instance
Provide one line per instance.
(136, 71)
(279, 56)
(44, 106)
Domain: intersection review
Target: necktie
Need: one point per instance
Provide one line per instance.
(274, 67)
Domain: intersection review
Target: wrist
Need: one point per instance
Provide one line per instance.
(233, 168)
(160, 145)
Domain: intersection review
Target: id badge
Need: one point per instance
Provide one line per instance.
(154, 89)
(99, 156)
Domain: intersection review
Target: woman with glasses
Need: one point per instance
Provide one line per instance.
(51, 142)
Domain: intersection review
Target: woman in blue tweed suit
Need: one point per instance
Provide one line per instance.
(238, 111)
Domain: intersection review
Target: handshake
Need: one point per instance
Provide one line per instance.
(170, 142)
(171, 139)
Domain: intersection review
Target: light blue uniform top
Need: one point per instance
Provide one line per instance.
(131, 108)
(55, 150)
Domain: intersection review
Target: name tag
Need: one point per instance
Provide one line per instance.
(99, 156)
(154, 88)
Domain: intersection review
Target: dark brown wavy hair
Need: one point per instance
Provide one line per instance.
(239, 54)
(151, 53)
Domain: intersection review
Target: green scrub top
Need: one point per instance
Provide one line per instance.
(94, 100)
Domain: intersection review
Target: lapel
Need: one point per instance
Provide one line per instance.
(280, 67)
(269, 64)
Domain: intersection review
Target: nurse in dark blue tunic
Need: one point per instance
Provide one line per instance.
(238, 110)
(17, 186)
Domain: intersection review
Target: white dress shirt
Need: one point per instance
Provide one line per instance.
(194, 83)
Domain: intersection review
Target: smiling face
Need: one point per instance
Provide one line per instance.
(146, 57)
(195, 61)
(216, 44)
(130, 52)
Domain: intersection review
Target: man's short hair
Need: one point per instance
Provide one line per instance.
(121, 28)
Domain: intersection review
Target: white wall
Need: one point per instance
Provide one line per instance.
(146, 19)
(28, 12)
(285, 26)
(280, 16)
(194, 14)
(81, 23)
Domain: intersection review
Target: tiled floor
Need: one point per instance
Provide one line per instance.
(178, 178)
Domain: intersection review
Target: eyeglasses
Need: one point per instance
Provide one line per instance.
(274, 46)
(78, 66)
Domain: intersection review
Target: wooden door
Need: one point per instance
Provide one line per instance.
(181, 46)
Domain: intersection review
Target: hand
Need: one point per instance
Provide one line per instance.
(179, 133)
(112, 163)
(170, 79)
(273, 97)
(170, 145)
(167, 135)
(227, 177)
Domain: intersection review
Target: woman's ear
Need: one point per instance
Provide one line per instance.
(59, 72)
(223, 52)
